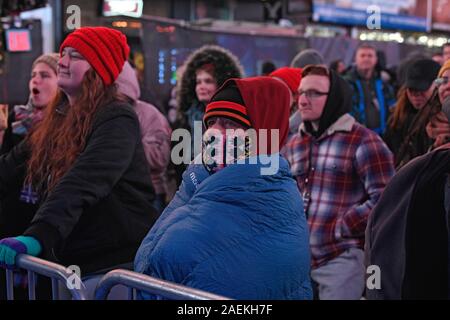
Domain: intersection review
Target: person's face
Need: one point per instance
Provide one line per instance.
(217, 146)
(444, 89)
(42, 85)
(366, 59)
(446, 53)
(313, 93)
(419, 98)
(205, 86)
(340, 67)
(71, 70)
(222, 124)
(439, 59)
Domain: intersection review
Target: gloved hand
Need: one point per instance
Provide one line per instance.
(438, 129)
(11, 247)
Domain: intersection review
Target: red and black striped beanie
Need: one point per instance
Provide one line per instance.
(105, 49)
(227, 103)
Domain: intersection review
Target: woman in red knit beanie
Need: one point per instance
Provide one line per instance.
(84, 165)
(292, 78)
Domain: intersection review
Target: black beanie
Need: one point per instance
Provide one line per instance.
(231, 105)
(229, 93)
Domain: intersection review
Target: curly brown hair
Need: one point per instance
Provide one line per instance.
(223, 63)
(61, 136)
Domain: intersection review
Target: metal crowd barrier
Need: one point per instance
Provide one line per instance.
(132, 280)
(45, 268)
(137, 281)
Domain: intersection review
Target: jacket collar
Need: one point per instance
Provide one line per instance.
(343, 124)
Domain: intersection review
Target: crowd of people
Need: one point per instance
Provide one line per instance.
(362, 175)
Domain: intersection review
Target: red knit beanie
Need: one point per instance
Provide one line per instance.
(291, 76)
(105, 49)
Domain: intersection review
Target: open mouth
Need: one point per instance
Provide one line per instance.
(35, 91)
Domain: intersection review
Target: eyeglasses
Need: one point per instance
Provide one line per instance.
(441, 81)
(312, 94)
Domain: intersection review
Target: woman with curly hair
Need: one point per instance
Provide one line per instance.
(84, 165)
(206, 69)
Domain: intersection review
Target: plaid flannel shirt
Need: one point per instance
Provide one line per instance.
(341, 175)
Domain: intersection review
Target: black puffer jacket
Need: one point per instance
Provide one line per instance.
(101, 209)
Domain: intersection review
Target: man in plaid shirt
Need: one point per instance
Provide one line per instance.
(341, 168)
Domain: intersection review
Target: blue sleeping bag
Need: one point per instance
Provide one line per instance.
(236, 233)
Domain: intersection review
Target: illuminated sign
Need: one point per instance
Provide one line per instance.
(399, 15)
(18, 40)
(131, 8)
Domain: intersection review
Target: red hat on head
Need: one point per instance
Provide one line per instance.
(291, 76)
(262, 103)
(105, 49)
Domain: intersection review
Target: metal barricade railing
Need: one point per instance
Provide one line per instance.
(137, 281)
(132, 280)
(46, 268)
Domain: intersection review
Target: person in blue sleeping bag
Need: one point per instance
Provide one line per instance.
(236, 226)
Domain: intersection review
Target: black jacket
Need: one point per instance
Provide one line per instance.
(407, 232)
(11, 225)
(406, 145)
(101, 209)
(10, 139)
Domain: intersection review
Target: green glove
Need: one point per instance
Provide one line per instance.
(11, 247)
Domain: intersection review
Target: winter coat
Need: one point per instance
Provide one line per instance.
(381, 90)
(407, 233)
(20, 120)
(155, 129)
(418, 145)
(341, 169)
(100, 210)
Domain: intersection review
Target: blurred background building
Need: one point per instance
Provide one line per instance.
(162, 33)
